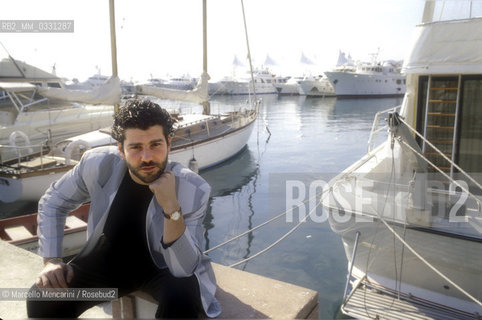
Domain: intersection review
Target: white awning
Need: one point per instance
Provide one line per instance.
(108, 93)
(17, 86)
(449, 47)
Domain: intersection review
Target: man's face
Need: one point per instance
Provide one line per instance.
(145, 152)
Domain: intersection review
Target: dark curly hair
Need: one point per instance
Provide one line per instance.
(140, 114)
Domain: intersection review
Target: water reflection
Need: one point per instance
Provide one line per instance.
(233, 186)
(230, 176)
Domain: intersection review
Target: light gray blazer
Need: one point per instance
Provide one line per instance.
(96, 178)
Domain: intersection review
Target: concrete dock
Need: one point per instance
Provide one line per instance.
(242, 294)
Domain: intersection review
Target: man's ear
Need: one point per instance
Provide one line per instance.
(169, 139)
(119, 146)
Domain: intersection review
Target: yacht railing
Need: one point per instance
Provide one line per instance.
(449, 178)
(19, 105)
(375, 126)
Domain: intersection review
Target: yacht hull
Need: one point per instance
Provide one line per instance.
(238, 87)
(389, 265)
(316, 88)
(350, 84)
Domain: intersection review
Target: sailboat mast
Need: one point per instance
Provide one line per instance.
(205, 38)
(249, 52)
(113, 45)
(206, 105)
(428, 11)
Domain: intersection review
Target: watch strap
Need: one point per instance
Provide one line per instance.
(169, 216)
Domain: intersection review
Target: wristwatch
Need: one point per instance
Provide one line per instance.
(173, 216)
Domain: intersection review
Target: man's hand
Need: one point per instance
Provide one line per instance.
(55, 274)
(164, 188)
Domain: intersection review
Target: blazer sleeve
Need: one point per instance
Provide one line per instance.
(63, 196)
(184, 255)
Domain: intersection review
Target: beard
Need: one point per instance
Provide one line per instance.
(148, 177)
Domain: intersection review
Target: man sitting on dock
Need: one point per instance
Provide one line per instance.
(145, 227)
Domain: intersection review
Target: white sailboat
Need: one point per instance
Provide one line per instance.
(409, 212)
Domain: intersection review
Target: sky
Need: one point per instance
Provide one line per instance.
(164, 38)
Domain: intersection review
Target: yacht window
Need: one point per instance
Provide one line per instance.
(470, 129)
(449, 116)
(53, 85)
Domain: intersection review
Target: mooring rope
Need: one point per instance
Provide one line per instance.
(282, 238)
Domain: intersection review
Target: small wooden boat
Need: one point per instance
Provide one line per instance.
(22, 231)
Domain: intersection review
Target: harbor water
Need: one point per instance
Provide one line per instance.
(296, 138)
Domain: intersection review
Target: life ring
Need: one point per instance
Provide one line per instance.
(13, 136)
(70, 147)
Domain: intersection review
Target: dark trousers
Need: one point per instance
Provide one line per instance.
(177, 297)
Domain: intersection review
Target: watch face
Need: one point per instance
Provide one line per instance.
(175, 216)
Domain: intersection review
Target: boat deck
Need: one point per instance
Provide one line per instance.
(368, 302)
(199, 128)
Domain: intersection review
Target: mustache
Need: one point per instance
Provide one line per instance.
(149, 164)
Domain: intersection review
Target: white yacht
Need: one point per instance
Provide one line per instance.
(263, 83)
(286, 85)
(409, 212)
(367, 79)
(184, 82)
(15, 71)
(97, 80)
(316, 86)
(24, 106)
(216, 88)
(157, 82)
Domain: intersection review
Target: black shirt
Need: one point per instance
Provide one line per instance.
(127, 252)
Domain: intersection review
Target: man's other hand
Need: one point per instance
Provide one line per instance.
(55, 274)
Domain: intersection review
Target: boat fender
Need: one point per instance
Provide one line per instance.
(193, 165)
(13, 137)
(71, 146)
